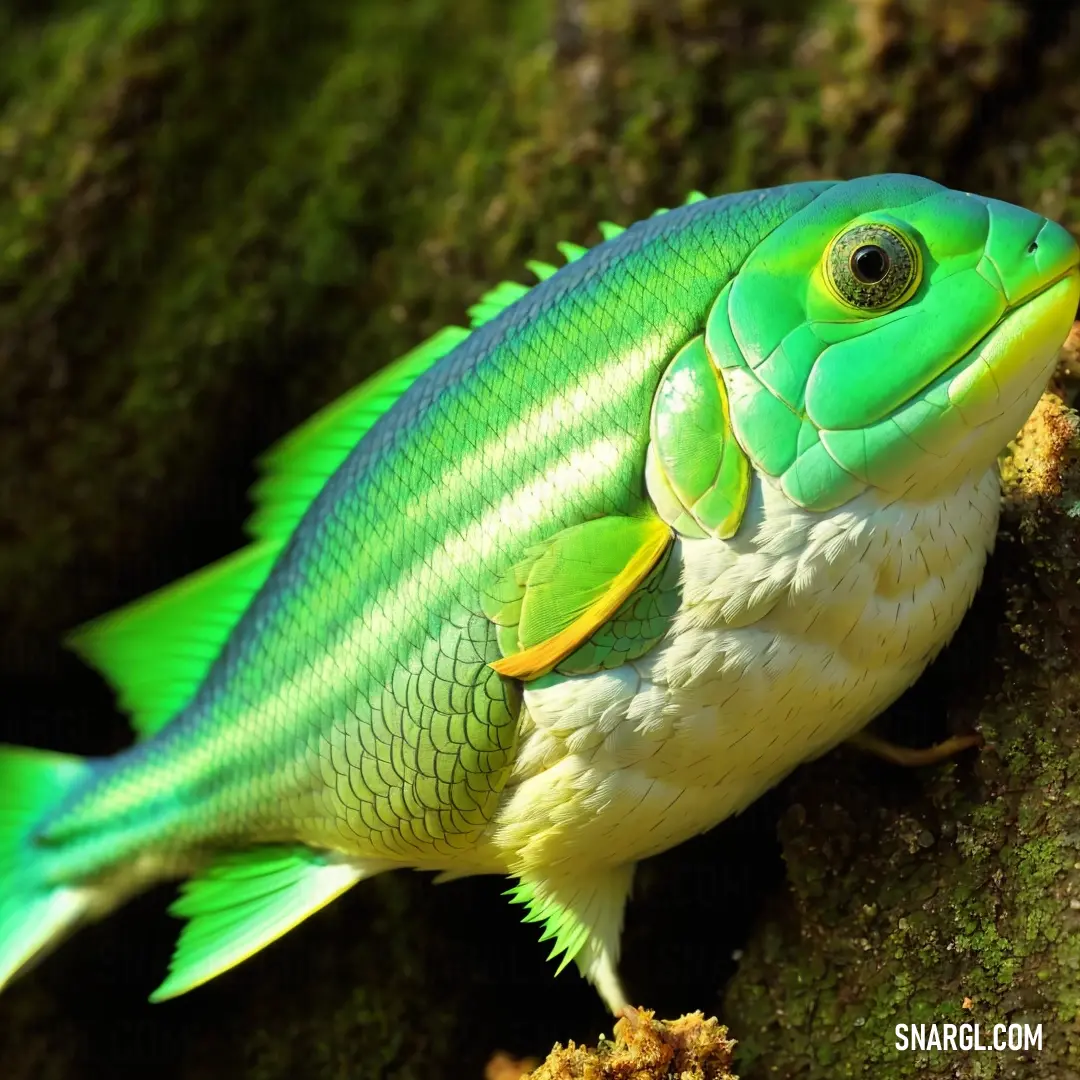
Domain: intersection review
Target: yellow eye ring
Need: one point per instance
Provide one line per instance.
(873, 267)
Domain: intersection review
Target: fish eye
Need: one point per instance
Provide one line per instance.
(873, 267)
(870, 263)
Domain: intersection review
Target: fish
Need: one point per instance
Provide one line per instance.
(558, 590)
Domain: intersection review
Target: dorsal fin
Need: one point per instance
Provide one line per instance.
(497, 300)
(295, 468)
(157, 651)
(571, 252)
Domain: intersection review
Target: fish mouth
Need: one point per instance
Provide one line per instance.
(1016, 354)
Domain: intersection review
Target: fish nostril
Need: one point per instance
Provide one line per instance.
(1033, 247)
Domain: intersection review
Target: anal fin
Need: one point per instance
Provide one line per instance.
(245, 900)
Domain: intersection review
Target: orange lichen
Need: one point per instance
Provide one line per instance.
(643, 1048)
(1040, 452)
(503, 1066)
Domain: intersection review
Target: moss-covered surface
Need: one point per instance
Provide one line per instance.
(217, 214)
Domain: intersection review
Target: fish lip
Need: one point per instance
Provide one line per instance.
(956, 368)
(1070, 271)
(966, 357)
(1012, 309)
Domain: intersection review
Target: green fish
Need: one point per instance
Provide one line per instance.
(554, 593)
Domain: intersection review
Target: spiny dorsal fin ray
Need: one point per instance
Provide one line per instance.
(542, 270)
(157, 651)
(495, 301)
(572, 252)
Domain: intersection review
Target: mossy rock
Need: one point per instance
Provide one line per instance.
(216, 215)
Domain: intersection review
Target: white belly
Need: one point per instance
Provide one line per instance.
(790, 638)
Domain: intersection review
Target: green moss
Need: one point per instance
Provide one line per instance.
(215, 216)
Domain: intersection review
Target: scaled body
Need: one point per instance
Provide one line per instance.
(689, 512)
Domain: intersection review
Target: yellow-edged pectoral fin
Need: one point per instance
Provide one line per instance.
(575, 583)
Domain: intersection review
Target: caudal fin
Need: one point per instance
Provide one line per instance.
(34, 914)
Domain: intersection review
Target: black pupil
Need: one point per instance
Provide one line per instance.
(870, 263)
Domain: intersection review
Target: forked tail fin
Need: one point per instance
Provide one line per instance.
(35, 914)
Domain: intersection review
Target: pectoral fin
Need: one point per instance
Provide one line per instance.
(569, 587)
